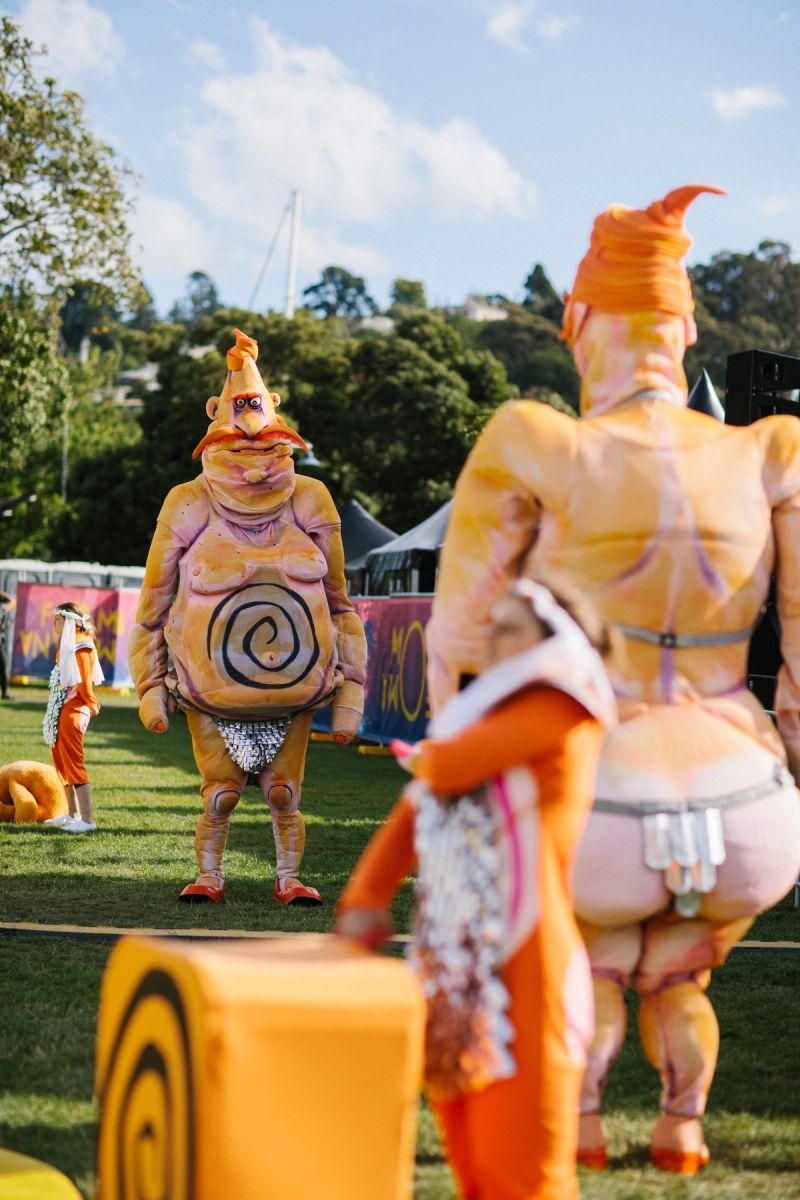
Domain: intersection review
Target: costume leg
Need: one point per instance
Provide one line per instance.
(613, 954)
(281, 785)
(222, 783)
(677, 1023)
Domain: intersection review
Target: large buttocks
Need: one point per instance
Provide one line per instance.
(251, 631)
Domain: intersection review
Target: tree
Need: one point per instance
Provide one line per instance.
(743, 302)
(63, 202)
(541, 297)
(201, 300)
(100, 520)
(33, 380)
(529, 347)
(340, 293)
(408, 293)
(87, 313)
(432, 334)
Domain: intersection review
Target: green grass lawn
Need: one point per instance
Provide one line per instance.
(130, 873)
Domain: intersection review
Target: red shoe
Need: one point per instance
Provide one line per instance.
(202, 893)
(680, 1162)
(296, 893)
(594, 1158)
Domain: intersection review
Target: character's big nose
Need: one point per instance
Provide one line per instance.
(252, 422)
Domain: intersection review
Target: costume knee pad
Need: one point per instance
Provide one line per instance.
(282, 798)
(222, 801)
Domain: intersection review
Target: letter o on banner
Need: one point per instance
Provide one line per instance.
(410, 713)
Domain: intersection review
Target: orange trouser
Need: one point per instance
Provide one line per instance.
(68, 750)
(517, 1139)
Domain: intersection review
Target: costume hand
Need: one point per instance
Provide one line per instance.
(153, 709)
(348, 707)
(405, 753)
(369, 927)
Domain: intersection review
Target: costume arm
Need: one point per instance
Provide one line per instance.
(383, 866)
(182, 517)
(783, 482)
(85, 689)
(524, 728)
(520, 465)
(317, 513)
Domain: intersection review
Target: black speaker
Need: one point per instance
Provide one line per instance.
(760, 384)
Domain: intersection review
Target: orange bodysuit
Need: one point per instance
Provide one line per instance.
(515, 1138)
(80, 705)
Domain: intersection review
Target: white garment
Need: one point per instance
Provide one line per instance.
(566, 660)
(68, 669)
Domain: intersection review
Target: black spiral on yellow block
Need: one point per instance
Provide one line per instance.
(264, 635)
(146, 1141)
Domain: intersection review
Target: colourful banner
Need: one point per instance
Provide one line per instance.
(113, 611)
(396, 694)
(396, 704)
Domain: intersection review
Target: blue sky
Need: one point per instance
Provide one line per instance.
(452, 141)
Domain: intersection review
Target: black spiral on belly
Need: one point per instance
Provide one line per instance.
(146, 1144)
(270, 628)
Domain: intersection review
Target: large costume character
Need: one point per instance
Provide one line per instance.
(244, 622)
(672, 524)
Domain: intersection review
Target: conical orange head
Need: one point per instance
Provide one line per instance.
(634, 260)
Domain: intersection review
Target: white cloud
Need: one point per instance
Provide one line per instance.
(299, 117)
(208, 55)
(80, 38)
(780, 205)
(554, 28)
(507, 21)
(173, 239)
(738, 103)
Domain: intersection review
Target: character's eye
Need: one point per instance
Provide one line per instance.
(239, 404)
(255, 402)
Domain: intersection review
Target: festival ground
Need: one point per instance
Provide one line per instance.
(129, 874)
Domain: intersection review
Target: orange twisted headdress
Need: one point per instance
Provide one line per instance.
(246, 347)
(634, 260)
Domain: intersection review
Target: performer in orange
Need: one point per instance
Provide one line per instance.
(492, 819)
(70, 706)
(672, 524)
(245, 624)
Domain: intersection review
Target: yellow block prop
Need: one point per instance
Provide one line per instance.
(257, 1071)
(24, 1178)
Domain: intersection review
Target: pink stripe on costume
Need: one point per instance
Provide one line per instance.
(512, 833)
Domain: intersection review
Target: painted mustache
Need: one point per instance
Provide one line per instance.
(272, 435)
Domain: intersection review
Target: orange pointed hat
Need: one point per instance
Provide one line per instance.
(244, 377)
(634, 260)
